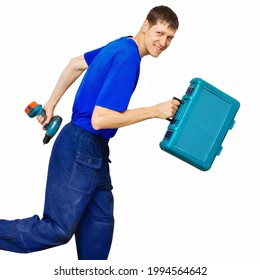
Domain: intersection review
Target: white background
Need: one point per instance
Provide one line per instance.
(165, 210)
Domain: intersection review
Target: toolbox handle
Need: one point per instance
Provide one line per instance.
(172, 120)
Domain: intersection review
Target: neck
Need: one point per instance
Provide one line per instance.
(139, 38)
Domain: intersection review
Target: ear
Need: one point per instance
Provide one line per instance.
(145, 26)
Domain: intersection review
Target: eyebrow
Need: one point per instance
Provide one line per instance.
(170, 36)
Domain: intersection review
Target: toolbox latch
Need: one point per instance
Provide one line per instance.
(219, 150)
(189, 90)
(232, 124)
(168, 134)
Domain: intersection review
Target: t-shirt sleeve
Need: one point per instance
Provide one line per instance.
(119, 85)
(90, 56)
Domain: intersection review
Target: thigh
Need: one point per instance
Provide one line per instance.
(72, 178)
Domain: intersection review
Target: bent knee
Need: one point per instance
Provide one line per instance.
(61, 236)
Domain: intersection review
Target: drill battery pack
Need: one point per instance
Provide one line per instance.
(199, 127)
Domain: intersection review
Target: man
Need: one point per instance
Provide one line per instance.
(79, 196)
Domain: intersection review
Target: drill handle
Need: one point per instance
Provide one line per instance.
(56, 119)
(43, 113)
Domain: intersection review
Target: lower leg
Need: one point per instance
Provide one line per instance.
(95, 231)
(30, 234)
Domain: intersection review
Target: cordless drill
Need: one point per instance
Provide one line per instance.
(34, 109)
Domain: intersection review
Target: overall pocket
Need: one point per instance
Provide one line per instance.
(84, 174)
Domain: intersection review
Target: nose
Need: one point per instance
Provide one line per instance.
(163, 41)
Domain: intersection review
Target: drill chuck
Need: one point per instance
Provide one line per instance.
(34, 109)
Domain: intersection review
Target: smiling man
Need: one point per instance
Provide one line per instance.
(79, 197)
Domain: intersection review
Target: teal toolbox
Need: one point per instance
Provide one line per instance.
(200, 125)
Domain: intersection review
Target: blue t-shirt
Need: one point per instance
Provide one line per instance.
(110, 80)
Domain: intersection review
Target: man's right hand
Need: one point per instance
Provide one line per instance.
(49, 110)
(167, 109)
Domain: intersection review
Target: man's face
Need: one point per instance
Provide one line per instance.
(157, 38)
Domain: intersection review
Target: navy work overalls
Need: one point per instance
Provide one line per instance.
(78, 200)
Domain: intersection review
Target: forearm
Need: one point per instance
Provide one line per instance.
(105, 118)
(64, 82)
(69, 75)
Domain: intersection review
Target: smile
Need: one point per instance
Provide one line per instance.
(159, 49)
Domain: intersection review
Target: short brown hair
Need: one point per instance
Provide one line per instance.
(163, 14)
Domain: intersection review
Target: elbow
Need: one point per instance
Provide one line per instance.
(78, 63)
(102, 118)
(96, 122)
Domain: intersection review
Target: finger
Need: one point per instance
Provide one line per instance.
(40, 119)
(47, 120)
(176, 102)
(175, 108)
